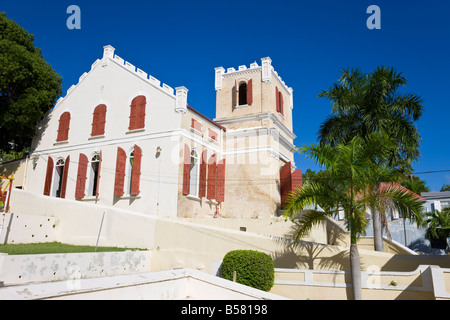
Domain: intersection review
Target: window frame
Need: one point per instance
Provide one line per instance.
(93, 177)
(58, 177)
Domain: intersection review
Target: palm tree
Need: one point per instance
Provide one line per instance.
(350, 171)
(365, 103)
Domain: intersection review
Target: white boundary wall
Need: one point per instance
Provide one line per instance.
(79, 223)
(21, 269)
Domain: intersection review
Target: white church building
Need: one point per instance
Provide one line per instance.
(121, 138)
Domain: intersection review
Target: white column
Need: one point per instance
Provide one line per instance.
(266, 69)
(181, 99)
(219, 74)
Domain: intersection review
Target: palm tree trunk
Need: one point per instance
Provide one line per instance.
(355, 262)
(355, 266)
(377, 230)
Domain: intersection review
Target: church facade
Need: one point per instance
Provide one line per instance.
(121, 138)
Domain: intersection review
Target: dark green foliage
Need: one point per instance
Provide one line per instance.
(253, 268)
(373, 102)
(438, 229)
(28, 87)
(415, 184)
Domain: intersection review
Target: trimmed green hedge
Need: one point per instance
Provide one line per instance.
(253, 268)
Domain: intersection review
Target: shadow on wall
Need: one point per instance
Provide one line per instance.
(313, 256)
(40, 129)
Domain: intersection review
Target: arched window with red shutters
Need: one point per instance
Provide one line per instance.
(137, 113)
(99, 120)
(243, 93)
(63, 128)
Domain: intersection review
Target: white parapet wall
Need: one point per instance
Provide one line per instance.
(21, 269)
(162, 285)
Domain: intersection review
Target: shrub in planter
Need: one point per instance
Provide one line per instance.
(253, 268)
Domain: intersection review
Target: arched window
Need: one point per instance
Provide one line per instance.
(99, 120)
(128, 172)
(58, 178)
(63, 128)
(94, 175)
(137, 113)
(194, 173)
(242, 94)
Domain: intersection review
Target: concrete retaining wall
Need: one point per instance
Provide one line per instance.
(20, 269)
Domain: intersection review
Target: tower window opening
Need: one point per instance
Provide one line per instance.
(243, 94)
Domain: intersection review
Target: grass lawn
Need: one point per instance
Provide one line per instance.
(53, 247)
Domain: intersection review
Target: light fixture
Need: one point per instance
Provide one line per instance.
(158, 151)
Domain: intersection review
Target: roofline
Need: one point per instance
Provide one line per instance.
(206, 118)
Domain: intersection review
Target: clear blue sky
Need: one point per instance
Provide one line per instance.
(309, 42)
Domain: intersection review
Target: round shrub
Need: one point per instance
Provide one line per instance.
(253, 268)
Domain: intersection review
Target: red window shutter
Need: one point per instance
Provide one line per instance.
(120, 172)
(285, 182)
(48, 177)
(281, 104)
(133, 117)
(141, 112)
(81, 176)
(99, 120)
(212, 134)
(63, 128)
(203, 165)
(212, 175)
(65, 175)
(137, 113)
(297, 179)
(136, 173)
(250, 92)
(220, 192)
(186, 169)
(98, 174)
(277, 99)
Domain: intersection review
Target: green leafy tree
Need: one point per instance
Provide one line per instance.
(445, 187)
(351, 169)
(415, 184)
(364, 103)
(28, 87)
